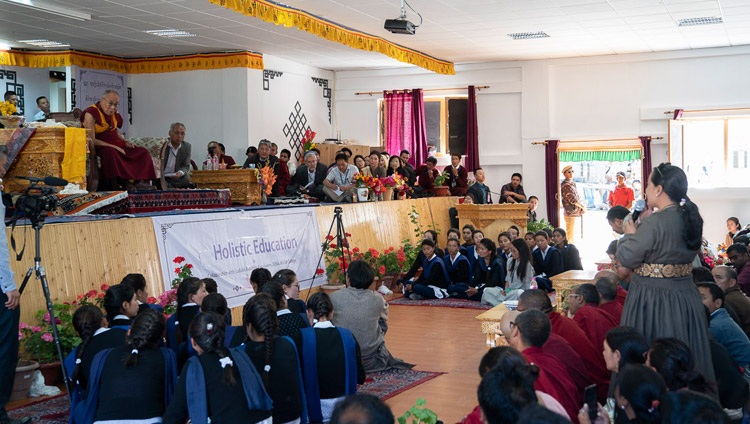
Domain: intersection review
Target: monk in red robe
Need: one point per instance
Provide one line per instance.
(566, 328)
(120, 159)
(528, 335)
(595, 323)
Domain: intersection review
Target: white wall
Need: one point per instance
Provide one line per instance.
(35, 82)
(596, 97)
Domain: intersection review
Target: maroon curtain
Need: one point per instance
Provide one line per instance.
(646, 166)
(552, 182)
(472, 132)
(419, 129)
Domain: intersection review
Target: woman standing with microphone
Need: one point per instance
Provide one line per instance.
(662, 300)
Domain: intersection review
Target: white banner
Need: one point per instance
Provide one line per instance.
(92, 83)
(228, 246)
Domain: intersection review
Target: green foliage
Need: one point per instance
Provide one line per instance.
(411, 250)
(37, 341)
(440, 179)
(419, 414)
(533, 227)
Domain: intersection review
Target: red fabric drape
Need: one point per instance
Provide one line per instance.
(472, 132)
(398, 127)
(418, 145)
(646, 160)
(552, 182)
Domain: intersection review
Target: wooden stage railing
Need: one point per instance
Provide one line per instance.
(80, 256)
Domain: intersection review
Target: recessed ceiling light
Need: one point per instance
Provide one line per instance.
(44, 43)
(528, 35)
(170, 33)
(704, 20)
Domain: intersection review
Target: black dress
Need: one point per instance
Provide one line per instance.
(110, 338)
(290, 323)
(283, 378)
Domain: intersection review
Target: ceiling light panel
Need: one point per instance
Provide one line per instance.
(44, 43)
(169, 33)
(703, 20)
(528, 35)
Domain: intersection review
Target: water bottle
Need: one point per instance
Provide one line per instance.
(207, 163)
(215, 163)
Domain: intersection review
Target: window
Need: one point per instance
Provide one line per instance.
(713, 152)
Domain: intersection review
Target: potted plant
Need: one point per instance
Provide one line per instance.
(336, 259)
(440, 189)
(419, 414)
(533, 227)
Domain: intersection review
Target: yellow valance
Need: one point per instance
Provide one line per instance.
(290, 17)
(143, 65)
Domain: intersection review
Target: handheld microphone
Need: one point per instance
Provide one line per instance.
(50, 181)
(638, 207)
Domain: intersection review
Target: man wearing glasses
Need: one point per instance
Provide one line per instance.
(122, 163)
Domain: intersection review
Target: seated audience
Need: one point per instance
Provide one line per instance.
(139, 373)
(274, 358)
(608, 298)
(529, 332)
(120, 160)
(175, 159)
(701, 274)
(638, 392)
(467, 235)
(471, 250)
(531, 213)
(258, 278)
(721, 326)
(488, 270)
(339, 184)
(121, 306)
(265, 158)
(570, 331)
(672, 359)
(289, 322)
(427, 173)
(286, 157)
(290, 284)
(513, 191)
(529, 239)
(360, 409)
(584, 307)
(308, 180)
(479, 191)
(433, 236)
(89, 324)
(503, 246)
(623, 346)
(44, 111)
(412, 174)
(615, 216)
(190, 294)
(217, 303)
(331, 376)
(384, 158)
(396, 166)
(738, 255)
(360, 310)
(250, 152)
(458, 177)
(138, 283)
(726, 279)
(433, 281)
(360, 163)
(570, 256)
(453, 233)
(734, 227)
(217, 385)
(457, 266)
(548, 260)
(218, 149)
(373, 167)
(688, 407)
(514, 232)
(518, 276)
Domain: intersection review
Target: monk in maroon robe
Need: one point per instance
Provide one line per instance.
(595, 323)
(529, 333)
(566, 328)
(120, 159)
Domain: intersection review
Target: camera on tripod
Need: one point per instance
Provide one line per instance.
(37, 200)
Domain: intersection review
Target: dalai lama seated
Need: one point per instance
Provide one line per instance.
(122, 163)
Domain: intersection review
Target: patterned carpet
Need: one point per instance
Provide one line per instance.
(384, 384)
(445, 303)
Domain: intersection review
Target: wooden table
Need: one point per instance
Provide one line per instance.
(563, 282)
(242, 183)
(491, 325)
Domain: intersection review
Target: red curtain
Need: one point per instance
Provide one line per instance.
(552, 182)
(646, 166)
(398, 127)
(418, 145)
(472, 132)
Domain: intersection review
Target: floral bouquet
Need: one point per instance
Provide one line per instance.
(168, 299)
(92, 297)
(362, 180)
(307, 140)
(266, 178)
(7, 108)
(37, 340)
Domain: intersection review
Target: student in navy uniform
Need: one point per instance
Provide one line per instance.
(570, 256)
(488, 271)
(290, 284)
(275, 358)
(547, 259)
(138, 283)
(331, 360)
(190, 295)
(433, 282)
(91, 327)
(213, 288)
(458, 268)
(471, 251)
(140, 373)
(121, 306)
(258, 278)
(432, 235)
(217, 385)
(289, 322)
(503, 246)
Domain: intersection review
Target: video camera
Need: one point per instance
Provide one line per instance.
(36, 201)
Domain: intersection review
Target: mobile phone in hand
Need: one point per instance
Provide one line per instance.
(589, 396)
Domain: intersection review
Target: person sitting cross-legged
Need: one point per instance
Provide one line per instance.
(547, 259)
(458, 268)
(434, 280)
(339, 184)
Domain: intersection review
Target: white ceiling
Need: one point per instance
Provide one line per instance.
(460, 31)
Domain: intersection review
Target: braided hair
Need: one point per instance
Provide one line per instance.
(215, 302)
(260, 314)
(114, 298)
(276, 292)
(145, 333)
(674, 182)
(86, 320)
(320, 305)
(207, 331)
(643, 388)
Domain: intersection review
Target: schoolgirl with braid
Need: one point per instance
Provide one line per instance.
(140, 373)
(89, 323)
(275, 358)
(121, 305)
(289, 322)
(221, 386)
(331, 360)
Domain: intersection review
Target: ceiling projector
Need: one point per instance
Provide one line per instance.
(400, 26)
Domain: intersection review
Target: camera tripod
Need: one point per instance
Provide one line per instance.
(341, 240)
(37, 222)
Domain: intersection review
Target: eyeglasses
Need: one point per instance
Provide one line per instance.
(111, 103)
(512, 324)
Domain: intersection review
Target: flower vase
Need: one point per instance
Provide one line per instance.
(388, 195)
(363, 193)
